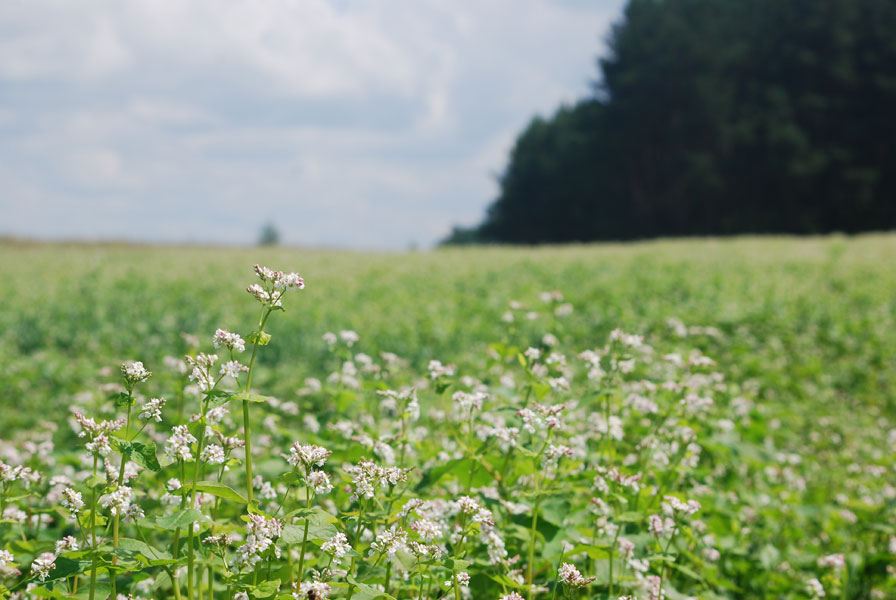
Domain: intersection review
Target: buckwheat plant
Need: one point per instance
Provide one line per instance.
(534, 471)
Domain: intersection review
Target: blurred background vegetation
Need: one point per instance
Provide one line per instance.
(715, 117)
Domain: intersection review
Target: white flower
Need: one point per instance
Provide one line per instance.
(672, 506)
(72, 501)
(231, 340)
(152, 409)
(277, 283)
(134, 372)
(313, 590)
(390, 541)
(654, 588)
(462, 579)
(68, 543)
(815, 589)
(99, 446)
(349, 337)
(437, 369)
(570, 575)
(43, 564)
(6, 557)
(837, 561)
(426, 529)
(212, 454)
(118, 501)
(337, 547)
(307, 455)
(232, 368)
(319, 482)
(177, 447)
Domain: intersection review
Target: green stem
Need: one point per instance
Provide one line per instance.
(93, 535)
(532, 545)
(612, 549)
(246, 430)
(305, 534)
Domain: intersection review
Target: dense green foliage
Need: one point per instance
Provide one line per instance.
(795, 459)
(716, 117)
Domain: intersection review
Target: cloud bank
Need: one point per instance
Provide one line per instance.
(366, 124)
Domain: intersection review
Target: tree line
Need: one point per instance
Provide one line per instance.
(715, 117)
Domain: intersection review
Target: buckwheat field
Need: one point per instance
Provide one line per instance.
(698, 419)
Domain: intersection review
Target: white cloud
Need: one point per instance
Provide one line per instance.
(368, 123)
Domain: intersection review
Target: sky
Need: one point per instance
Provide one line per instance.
(367, 124)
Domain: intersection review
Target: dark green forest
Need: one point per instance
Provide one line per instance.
(715, 117)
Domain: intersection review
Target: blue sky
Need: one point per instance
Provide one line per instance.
(363, 124)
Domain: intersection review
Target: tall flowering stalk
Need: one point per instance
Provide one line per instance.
(269, 293)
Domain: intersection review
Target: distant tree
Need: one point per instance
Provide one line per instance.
(716, 117)
(269, 235)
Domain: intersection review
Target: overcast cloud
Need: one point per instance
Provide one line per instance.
(366, 124)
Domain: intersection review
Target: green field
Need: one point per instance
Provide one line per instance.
(796, 453)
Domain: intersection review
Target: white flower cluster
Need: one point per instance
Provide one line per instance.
(177, 447)
(367, 475)
(462, 579)
(570, 575)
(67, 544)
(319, 482)
(312, 590)
(277, 283)
(119, 501)
(134, 372)
(389, 541)
(337, 547)
(260, 535)
(201, 365)
(26, 475)
(467, 402)
(552, 455)
(152, 409)
(233, 368)
(228, 339)
(6, 558)
(437, 369)
(72, 501)
(213, 454)
(307, 455)
(42, 565)
(672, 506)
(654, 585)
(99, 444)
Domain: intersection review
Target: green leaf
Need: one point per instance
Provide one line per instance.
(630, 517)
(123, 399)
(95, 481)
(142, 549)
(123, 447)
(145, 456)
(218, 398)
(220, 490)
(461, 468)
(456, 564)
(181, 518)
(266, 589)
(366, 592)
(251, 397)
(259, 337)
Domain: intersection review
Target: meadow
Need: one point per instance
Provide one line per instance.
(674, 419)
